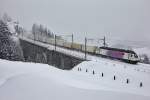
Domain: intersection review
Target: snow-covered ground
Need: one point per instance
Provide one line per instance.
(30, 81)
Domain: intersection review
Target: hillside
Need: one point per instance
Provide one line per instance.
(30, 81)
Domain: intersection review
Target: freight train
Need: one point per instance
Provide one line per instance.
(128, 56)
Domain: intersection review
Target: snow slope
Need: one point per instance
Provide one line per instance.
(30, 81)
(121, 72)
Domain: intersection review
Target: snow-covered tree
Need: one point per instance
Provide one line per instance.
(9, 49)
(6, 18)
(144, 59)
(41, 31)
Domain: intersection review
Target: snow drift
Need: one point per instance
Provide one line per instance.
(29, 81)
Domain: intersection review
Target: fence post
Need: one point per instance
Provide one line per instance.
(86, 70)
(114, 77)
(55, 42)
(72, 40)
(85, 48)
(93, 72)
(141, 84)
(127, 80)
(102, 74)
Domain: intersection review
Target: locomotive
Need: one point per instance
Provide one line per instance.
(128, 56)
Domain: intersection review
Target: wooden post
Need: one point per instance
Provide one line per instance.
(34, 53)
(85, 48)
(102, 74)
(104, 41)
(141, 84)
(93, 72)
(114, 77)
(127, 81)
(71, 40)
(86, 70)
(55, 42)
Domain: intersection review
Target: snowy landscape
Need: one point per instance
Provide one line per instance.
(94, 79)
(78, 50)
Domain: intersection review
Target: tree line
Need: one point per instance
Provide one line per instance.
(40, 30)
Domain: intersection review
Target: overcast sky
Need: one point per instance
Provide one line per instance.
(126, 19)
